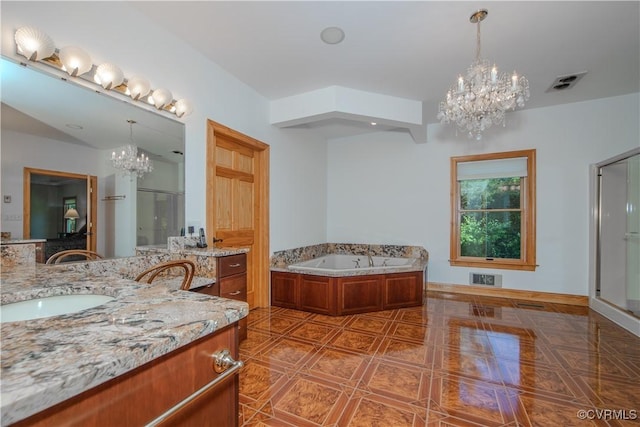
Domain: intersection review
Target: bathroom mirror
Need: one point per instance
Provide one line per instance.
(50, 123)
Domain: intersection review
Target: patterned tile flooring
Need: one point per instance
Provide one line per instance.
(458, 360)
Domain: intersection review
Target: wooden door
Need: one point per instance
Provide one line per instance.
(238, 202)
(91, 197)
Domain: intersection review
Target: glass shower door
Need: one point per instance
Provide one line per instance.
(619, 234)
(159, 215)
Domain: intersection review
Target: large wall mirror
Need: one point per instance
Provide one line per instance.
(53, 129)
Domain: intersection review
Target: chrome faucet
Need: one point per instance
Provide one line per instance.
(370, 259)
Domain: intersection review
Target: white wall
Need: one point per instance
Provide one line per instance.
(22, 150)
(117, 32)
(383, 188)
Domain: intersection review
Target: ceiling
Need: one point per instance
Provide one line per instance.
(413, 50)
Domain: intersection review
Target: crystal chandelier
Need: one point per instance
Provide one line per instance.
(480, 99)
(128, 160)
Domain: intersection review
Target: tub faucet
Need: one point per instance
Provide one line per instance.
(370, 259)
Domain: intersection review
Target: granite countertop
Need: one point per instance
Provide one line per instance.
(46, 361)
(416, 265)
(21, 241)
(209, 251)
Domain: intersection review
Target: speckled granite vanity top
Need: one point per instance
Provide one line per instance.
(46, 361)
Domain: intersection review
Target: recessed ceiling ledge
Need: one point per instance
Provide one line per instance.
(349, 104)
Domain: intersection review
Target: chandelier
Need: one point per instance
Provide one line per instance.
(481, 98)
(128, 160)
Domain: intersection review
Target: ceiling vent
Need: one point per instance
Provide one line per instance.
(566, 82)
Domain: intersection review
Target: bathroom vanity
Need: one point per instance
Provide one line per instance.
(126, 362)
(221, 272)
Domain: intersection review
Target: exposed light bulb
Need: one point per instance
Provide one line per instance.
(161, 98)
(183, 108)
(108, 76)
(138, 87)
(33, 43)
(75, 61)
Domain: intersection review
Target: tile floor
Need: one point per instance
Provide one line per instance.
(458, 360)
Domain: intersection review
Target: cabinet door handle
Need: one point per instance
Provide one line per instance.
(235, 293)
(235, 265)
(224, 364)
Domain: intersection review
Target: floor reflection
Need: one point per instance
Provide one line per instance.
(457, 360)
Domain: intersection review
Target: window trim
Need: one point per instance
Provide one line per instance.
(527, 262)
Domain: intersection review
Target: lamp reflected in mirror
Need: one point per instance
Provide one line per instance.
(71, 213)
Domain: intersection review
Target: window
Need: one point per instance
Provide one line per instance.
(69, 221)
(493, 199)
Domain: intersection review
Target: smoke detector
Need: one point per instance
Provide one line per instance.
(566, 82)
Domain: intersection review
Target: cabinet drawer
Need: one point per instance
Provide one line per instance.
(232, 264)
(234, 287)
(211, 289)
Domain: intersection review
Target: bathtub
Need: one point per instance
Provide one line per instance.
(337, 263)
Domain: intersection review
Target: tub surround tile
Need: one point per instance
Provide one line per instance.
(46, 361)
(392, 251)
(282, 259)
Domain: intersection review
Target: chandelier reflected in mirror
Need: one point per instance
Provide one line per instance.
(128, 161)
(480, 99)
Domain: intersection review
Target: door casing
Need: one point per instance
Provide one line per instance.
(92, 204)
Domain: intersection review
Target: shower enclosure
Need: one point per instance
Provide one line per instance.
(159, 214)
(618, 233)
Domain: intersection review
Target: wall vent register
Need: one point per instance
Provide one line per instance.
(485, 279)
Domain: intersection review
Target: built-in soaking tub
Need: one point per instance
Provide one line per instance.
(341, 284)
(340, 263)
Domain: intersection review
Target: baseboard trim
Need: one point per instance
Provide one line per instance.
(510, 293)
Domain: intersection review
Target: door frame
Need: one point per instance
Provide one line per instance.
(259, 270)
(92, 202)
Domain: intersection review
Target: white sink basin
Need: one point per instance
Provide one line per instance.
(50, 306)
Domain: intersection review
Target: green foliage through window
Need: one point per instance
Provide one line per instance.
(490, 218)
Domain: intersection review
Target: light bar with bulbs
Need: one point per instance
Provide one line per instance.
(37, 46)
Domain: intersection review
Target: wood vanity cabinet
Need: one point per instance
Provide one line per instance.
(40, 253)
(139, 396)
(231, 282)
